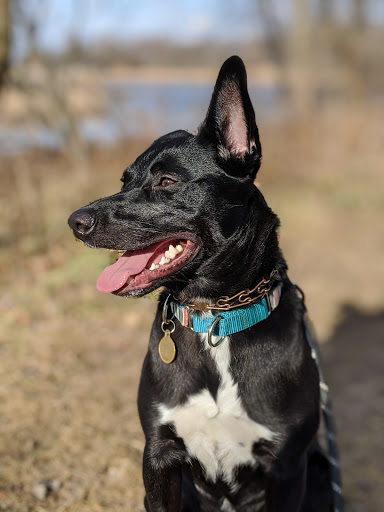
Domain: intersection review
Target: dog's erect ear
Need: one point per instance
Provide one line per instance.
(230, 122)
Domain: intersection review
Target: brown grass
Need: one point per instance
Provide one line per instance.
(71, 357)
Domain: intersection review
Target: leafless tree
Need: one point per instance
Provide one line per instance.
(358, 11)
(4, 40)
(301, 55)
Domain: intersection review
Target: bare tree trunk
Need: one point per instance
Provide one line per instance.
(301, 53)
(4, 39)
(358, 14)
(326, 11)
(273, 39)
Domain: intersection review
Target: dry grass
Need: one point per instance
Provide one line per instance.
(71, 357)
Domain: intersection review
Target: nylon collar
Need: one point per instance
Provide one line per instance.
(229, 322)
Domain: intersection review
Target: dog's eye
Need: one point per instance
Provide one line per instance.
(165, 182)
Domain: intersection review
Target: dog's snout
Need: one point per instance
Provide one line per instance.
(82, 222)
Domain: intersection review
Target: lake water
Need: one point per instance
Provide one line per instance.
(135, 110)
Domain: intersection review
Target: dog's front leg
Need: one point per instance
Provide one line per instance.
(162, 474)
(286, 493)
(162, 487)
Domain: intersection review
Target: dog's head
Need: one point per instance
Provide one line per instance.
(188, 215)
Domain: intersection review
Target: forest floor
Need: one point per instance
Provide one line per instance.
(70, 438)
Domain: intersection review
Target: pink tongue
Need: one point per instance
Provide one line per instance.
(115, 276)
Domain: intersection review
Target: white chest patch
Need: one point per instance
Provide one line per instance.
(219, 434)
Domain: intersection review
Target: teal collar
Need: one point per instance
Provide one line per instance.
(229, 322)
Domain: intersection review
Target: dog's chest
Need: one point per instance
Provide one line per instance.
(217, 432)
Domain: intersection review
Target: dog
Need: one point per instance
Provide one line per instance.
(229, 392)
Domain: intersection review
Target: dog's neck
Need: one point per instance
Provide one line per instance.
(241, 262)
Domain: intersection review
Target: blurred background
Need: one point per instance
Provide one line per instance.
(85, 86)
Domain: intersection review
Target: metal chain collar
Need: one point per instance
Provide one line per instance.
(239, 300)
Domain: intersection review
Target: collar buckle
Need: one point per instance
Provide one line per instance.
(268, 301)
(189, 317)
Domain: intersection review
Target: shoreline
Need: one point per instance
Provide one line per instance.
(257, 75)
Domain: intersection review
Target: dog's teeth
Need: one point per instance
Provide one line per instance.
(171, 253)
(153, 266)
(179, 248)
(164, 260)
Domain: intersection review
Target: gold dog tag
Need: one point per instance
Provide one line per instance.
(167, 348)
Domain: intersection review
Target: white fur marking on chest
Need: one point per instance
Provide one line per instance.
(219, 434)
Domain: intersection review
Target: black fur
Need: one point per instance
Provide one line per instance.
(213, 202)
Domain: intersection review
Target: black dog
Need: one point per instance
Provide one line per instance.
(229, 394)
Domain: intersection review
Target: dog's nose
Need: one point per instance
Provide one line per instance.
(82, 221)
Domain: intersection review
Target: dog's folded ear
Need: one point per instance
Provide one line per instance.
(230, 123)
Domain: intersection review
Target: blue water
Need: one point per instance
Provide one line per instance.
(135, 110)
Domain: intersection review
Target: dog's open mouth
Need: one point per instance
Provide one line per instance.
(137, 270)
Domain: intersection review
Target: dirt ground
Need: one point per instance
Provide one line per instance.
(70, 438)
